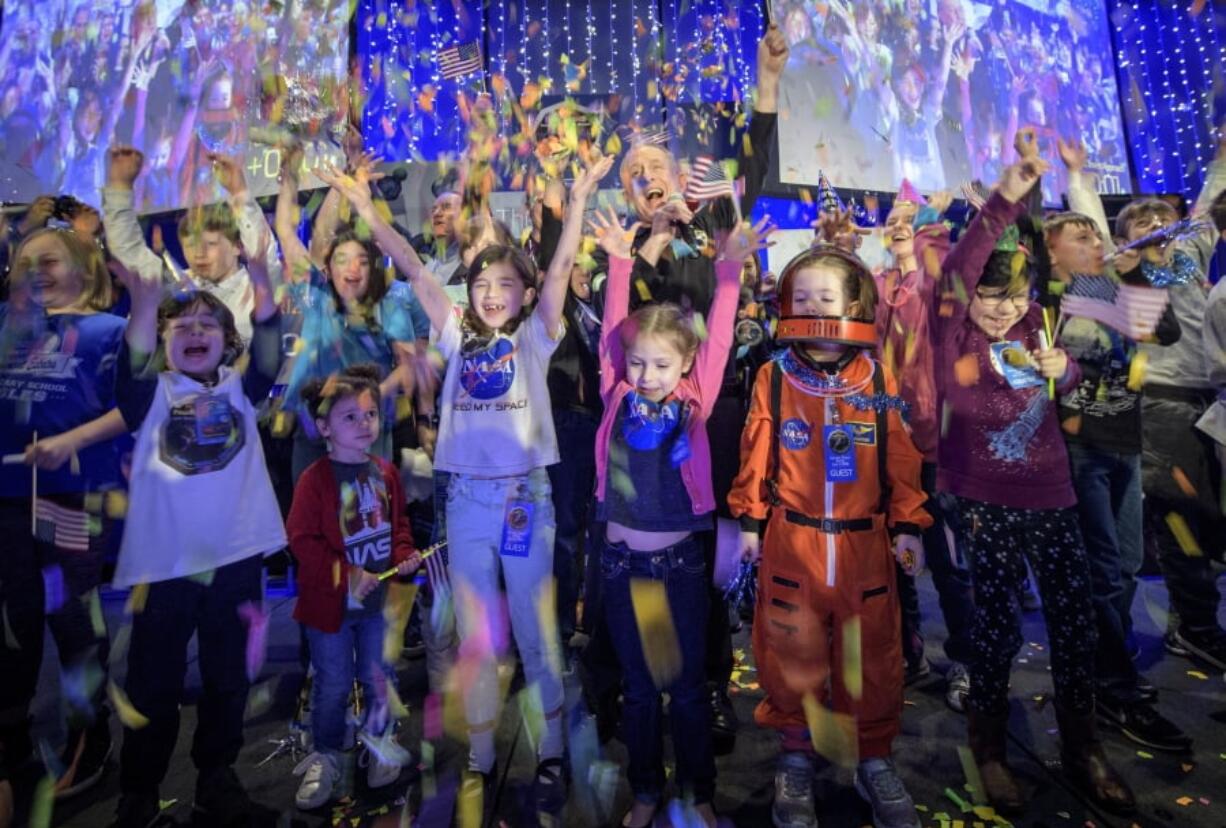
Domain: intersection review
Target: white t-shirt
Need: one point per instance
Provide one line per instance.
(496, 419)
(200, 497)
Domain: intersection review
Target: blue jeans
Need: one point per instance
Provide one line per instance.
(1108, 488)
(356, 649)
(683, 570)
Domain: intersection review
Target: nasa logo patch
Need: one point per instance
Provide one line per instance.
(795, 434)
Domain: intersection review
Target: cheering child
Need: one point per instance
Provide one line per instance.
(340, 594)
(495, 438)
(201, 516)
(1002, 456)
(827, 461)
(659, 382)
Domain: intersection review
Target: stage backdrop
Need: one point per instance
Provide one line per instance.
(933, 90)
(176, 80)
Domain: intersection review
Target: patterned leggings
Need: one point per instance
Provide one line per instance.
(997, 540)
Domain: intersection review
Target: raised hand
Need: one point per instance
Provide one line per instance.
(1018, 179)
(229, 171)
(1026, 143)
(363, 168)
(772, 53)
(587, 183)
(347, 185)
(124, 164)
(610, 235)
(971, 193)
(1073, 153)
(746, 240)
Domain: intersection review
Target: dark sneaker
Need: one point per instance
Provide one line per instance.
(1141, 723)
(550, 788)
(794, 806)
(1206, 647)
(878, 784)
(85, 758)
(222, 802)
(724, 722)
(136, 811)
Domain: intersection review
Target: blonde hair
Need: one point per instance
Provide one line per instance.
(86, 260)
(665, 320)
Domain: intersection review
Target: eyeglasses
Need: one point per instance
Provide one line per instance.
(1020, 300)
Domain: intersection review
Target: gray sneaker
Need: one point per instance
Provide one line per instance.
(957, 686)
(794, 806)
(878, 784)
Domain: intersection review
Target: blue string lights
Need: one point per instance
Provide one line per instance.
(1170, 62)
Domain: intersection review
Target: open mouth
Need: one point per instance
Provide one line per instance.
(489, 307)
(654, 196)
(196, 351)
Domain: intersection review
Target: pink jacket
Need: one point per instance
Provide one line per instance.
(902, 329)
(698, 389)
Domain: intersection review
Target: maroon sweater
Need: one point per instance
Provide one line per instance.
(998, 444)
(314, 530)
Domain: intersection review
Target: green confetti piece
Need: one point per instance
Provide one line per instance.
(43, 803)
(962, 804)
(1145, 754)
(95, 614)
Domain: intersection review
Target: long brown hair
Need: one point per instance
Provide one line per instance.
(858, 285)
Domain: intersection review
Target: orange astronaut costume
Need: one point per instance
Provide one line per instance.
(827, 461)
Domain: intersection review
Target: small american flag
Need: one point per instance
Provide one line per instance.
(1130, 309)
(66, 528)
(436, 572)
(460, 59)
(708, 180)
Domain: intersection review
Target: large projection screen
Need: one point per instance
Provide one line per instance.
(933, 91)
(176, 78)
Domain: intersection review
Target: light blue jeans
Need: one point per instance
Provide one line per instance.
(476, 509)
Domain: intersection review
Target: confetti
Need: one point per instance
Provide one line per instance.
(1136, 370)
(129, 715)
(256, 619)
(657, 635)
(1197, 674)
(833, 734)
(1185, 801)
(1183, 535)
(853, 675)
(43, 803)
(1145, 754)
(1182, 481)
(136, 599)
(53, 588)
(966, 370)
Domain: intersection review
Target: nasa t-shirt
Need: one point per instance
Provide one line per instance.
(366, 525)
(496, 419)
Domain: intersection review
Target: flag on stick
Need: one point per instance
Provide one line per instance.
(1133, 310)
(460, 59)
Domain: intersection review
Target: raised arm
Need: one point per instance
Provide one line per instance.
(253, 228)
(123, 234)
(1082, 197)
(429, 292)
(297, 259)
(553, 291)
(615, 241)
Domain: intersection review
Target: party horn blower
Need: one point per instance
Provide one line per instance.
(661, 650)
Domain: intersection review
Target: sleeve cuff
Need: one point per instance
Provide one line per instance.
(749, 523)
(904, 528)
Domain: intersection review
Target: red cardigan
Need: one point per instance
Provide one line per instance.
(315, 540)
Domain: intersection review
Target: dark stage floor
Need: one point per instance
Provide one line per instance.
(1173, 790)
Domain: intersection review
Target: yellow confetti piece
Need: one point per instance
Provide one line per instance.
(833, 734)
(116, 504)
(1136, 370)
(1197, 674)
(643, 291)
(397, 605)
(657, 635)
(129, 715)
(95, 614)
(1185, 801)
(136, 599)
(1144, 755)
(1183, 535)
(853, 674)
(547, 616)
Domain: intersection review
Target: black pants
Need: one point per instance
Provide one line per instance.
(157, 663)
(1172, 441)
(572, 481)
(30, 570)
(952, 582)
(998, 541)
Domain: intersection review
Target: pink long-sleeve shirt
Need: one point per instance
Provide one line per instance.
(698, 389)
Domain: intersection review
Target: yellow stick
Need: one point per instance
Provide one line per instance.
(425, 553)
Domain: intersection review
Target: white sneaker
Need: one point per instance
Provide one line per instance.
(378, 772)
(319, 777)
(957, 686)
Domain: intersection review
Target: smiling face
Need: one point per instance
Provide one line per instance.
(497, 294)
(195, 342)
(655, 365)
(210, 255)
(649, 178)
(581, 283)
(349, 271)
(997, 309)
(1075, 248)
(351, 427)
(54, 280)
(899, 232)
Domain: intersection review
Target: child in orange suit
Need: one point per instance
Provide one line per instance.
(828, 464)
